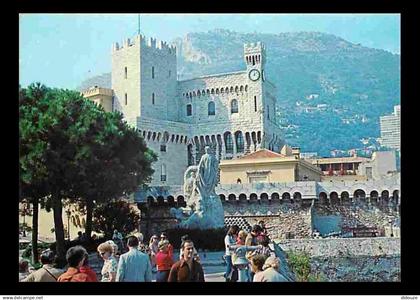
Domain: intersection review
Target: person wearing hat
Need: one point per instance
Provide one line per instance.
(164, 261)
(47, 273)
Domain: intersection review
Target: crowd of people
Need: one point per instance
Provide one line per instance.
(258, 264)
(136, 261)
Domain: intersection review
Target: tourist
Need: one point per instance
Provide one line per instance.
(164, 261)
(230, 239)
(134, 265)
(265, 250)
(240, 239)
(75, 257)
(257, 263)
(114, 249)
(118, 239)
(252, 240)
(23, 269)
(154, 249)
(109, 269)
(86, 269)
(195, 253)
(163, 237)
(142, 246)
(47, 273)
(187, 269)
(271, 271)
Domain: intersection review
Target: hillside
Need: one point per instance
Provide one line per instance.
(330, 92)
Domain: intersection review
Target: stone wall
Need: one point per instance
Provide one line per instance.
(355, 259)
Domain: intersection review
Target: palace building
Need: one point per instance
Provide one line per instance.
(233, 113)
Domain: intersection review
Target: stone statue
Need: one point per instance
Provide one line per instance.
(204, 209)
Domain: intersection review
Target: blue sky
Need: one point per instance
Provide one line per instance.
(61, 50)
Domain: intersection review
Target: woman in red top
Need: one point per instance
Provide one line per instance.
(164, 262)
(86, 269)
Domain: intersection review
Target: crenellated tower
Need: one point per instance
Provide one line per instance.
(144, 79)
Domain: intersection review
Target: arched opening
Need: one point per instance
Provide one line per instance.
(232, 197)
(396, 196)
(374, 195)
(334, 198)
(239, 142)
(297, 196)
(180, 201)
(359, 195)
(323, 198)
(228, 142)
(150, 200)
(253, 197)
(160, 200)
(275, 197)
(234, 106)
(171, 200)
(242, 197)
(385, 195)
(345, 197)
(285, 196)
(222, 197)
(264, 197)
(190, 157)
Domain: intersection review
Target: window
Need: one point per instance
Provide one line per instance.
(189, 110)
(163, 173)
(229, 143)
(125, 72)
(234, 106)
(211, 109)
(153, 72)
(169, 75)
(239, 142)
(268, 112)
(162, 148)
(153, 98)
(255, 103)
(126, 99)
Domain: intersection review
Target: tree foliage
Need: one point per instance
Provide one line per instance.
(115, 215)
(70, 148)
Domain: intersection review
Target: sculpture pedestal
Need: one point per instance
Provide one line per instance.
(208, 214)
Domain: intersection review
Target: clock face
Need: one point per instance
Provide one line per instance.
(254, 74)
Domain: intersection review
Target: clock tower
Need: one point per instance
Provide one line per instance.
(254, 56)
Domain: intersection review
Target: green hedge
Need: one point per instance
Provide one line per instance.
(208, 239)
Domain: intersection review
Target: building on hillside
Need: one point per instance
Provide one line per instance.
(391, 129)
(268, 166)
(382, 164)
(340, 168)
(234, 113)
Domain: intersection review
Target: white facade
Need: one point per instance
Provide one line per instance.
(391, 129)
(234, 113)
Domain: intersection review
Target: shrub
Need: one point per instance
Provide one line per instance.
(300, 264)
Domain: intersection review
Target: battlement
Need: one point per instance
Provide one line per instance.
(144, 42)
(254, 47)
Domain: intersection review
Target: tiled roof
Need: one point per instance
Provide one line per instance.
(263, 153)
